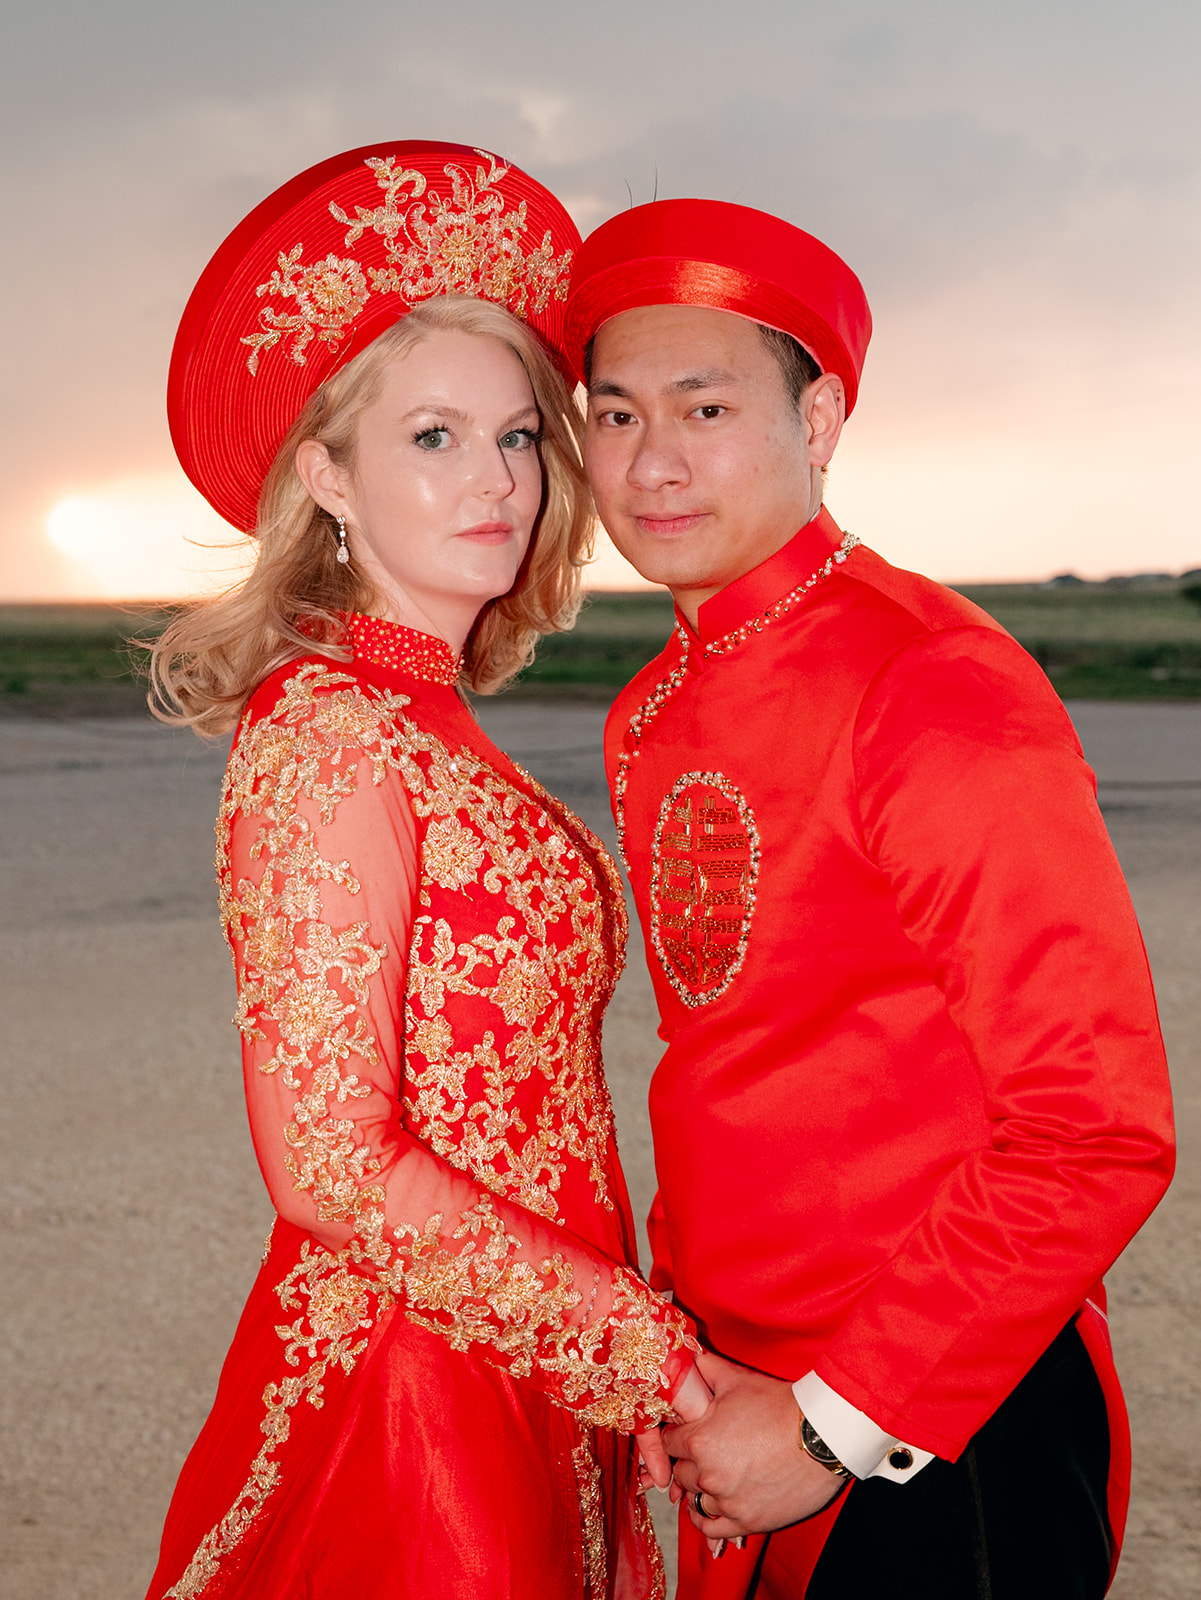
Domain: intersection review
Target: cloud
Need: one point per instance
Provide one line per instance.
(1018, 190)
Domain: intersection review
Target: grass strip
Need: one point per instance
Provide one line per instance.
(1094, 641)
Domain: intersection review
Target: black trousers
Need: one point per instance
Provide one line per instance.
(1020, 1516)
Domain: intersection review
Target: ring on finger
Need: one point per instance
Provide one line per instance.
(698, 1505)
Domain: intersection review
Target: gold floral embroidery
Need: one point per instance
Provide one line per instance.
(636, 1352)
(486, 1294)
(644, 1529)
(592, 1518)
(452, 854)
(523, 991)
(464, 1276)
(467, 244)
(328, 296)
(555, 944)
(470, 242)
(340, 1303)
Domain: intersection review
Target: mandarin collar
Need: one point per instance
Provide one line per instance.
(391, 644)
(759, 589)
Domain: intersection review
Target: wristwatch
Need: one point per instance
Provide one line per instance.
(812, 1443)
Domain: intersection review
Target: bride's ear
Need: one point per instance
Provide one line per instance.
(322, 477)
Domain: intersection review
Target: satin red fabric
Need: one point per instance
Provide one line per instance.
(931, 1106)
(728, 257)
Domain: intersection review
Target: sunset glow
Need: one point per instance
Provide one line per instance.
(147, 539)
(1032, 396)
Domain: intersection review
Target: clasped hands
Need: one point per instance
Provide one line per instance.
(736, 1444)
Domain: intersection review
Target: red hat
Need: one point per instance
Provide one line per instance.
(710, 253)
(323, 266)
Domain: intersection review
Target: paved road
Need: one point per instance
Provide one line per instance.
(134, 1207)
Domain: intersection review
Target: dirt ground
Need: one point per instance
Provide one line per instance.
(135, 1211)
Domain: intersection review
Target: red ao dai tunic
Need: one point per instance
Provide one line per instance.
(432, 1385)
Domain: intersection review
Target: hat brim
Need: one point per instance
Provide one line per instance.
(254, 344)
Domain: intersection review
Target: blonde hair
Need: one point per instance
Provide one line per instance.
(214, 653)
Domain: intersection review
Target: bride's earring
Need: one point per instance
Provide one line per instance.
(343, 552)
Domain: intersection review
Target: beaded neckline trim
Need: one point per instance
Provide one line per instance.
(668, 687)
(390, 644)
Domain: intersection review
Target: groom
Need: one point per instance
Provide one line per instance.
(914, 1101)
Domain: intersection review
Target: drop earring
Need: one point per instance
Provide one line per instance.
(343, 552)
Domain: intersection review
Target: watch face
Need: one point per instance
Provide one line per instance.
(818, 1448)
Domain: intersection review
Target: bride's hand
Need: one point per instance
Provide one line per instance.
(691, 1399)
(654, 1463)
(689, 1402)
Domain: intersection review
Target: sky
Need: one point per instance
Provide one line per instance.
(1018, 187)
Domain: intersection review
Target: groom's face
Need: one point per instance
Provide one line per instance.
(701, 465)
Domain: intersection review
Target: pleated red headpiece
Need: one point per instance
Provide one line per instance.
(732, 258)
(323, 266)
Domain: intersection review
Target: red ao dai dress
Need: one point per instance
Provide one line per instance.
(432, 1386)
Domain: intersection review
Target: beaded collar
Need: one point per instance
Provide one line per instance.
(390, 644)
(666, 689)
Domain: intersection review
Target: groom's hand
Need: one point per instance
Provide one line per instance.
(742, 1455)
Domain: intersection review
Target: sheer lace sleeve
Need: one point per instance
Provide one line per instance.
(318, 880)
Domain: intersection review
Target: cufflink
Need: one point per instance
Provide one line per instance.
(900, 1459)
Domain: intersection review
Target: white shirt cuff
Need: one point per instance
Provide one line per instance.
(863, 1448)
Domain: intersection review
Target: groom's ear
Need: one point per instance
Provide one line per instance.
(823, 408)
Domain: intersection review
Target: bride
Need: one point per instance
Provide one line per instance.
(436, 1381)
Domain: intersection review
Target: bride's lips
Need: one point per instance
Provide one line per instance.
(488, 532)
(667, 525)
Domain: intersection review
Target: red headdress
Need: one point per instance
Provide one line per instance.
(710, 253)
(323, 266)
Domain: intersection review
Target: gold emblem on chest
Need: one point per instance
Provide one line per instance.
(704, 867)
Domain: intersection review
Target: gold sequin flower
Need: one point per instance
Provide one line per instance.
(439, 1283)
(637, 1351)
(269, 943)
(522, 991)
(328, 296)
(308, 1011)
(433, 1037)
(518, 1294)
(453, 856)
(338, 1305)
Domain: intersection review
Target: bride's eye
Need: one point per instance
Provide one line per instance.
(519, 439)
(432, 438)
